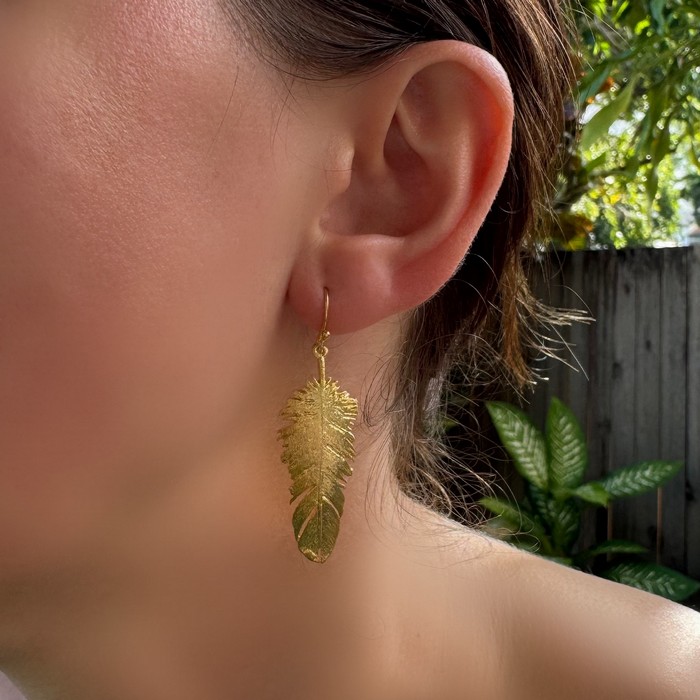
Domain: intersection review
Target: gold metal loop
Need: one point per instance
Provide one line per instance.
(323, 334)
(320, 350)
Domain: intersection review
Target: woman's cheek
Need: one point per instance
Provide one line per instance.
(115, 271)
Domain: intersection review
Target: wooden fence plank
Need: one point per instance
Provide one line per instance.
(642, 510)
(623, 332)
(583, 335)
(672, 413)
(574, 293)
(538, 399)
(693, 416)
(600, 365)
(557, 371)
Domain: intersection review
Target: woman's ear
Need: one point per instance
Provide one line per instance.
(421, 149)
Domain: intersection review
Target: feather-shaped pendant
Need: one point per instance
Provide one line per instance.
(318, 445)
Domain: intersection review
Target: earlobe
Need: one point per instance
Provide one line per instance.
(431, 139)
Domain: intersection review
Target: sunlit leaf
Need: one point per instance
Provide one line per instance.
(653, 578)
(592, 82)
(523, 441)
(639, 478)
(600, 123)
(593, 492)
(566, 446)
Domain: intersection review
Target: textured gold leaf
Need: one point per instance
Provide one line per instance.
(317, 446)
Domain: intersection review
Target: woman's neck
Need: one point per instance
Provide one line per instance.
(204, 594)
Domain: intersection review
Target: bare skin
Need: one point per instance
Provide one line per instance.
(170, 214)
(554, 632)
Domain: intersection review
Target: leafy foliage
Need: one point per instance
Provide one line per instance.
(637, 153)
(548, 520)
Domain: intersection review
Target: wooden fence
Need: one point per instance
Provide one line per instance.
(634, 385)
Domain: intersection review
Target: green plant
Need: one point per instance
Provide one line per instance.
(548, 520)
(639, 96)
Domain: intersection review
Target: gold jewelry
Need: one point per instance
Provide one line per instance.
(317, 447)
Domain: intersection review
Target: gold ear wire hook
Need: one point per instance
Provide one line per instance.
(320, 350)
(323, 333)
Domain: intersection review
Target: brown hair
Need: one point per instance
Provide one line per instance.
(483, 321)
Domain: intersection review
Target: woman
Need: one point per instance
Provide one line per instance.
(190, 192)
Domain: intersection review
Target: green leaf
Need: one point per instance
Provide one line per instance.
(624, 5)
(512, 516)
(641, 26)
(631, 168)
(540, 499)
(566, 561)
(662, 145)
(660, 148)
(694, 157)
(651, 186)
(523, 441)
(566, 519)
(639, 478)
(656, 7)
(520, 540)
(562, 493)
(496, 526)
(591, 83)
(591, 165)
(658, 98)
(593, 492)
(653, 578)
(600, 123)
(566, 446)
(449, 424)
(613, 547)
(560, 519)
(516, 521)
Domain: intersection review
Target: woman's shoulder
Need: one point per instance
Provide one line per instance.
(495, 622)
(517, 626)
(564, 633)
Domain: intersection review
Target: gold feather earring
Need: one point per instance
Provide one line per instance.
(317, 447)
